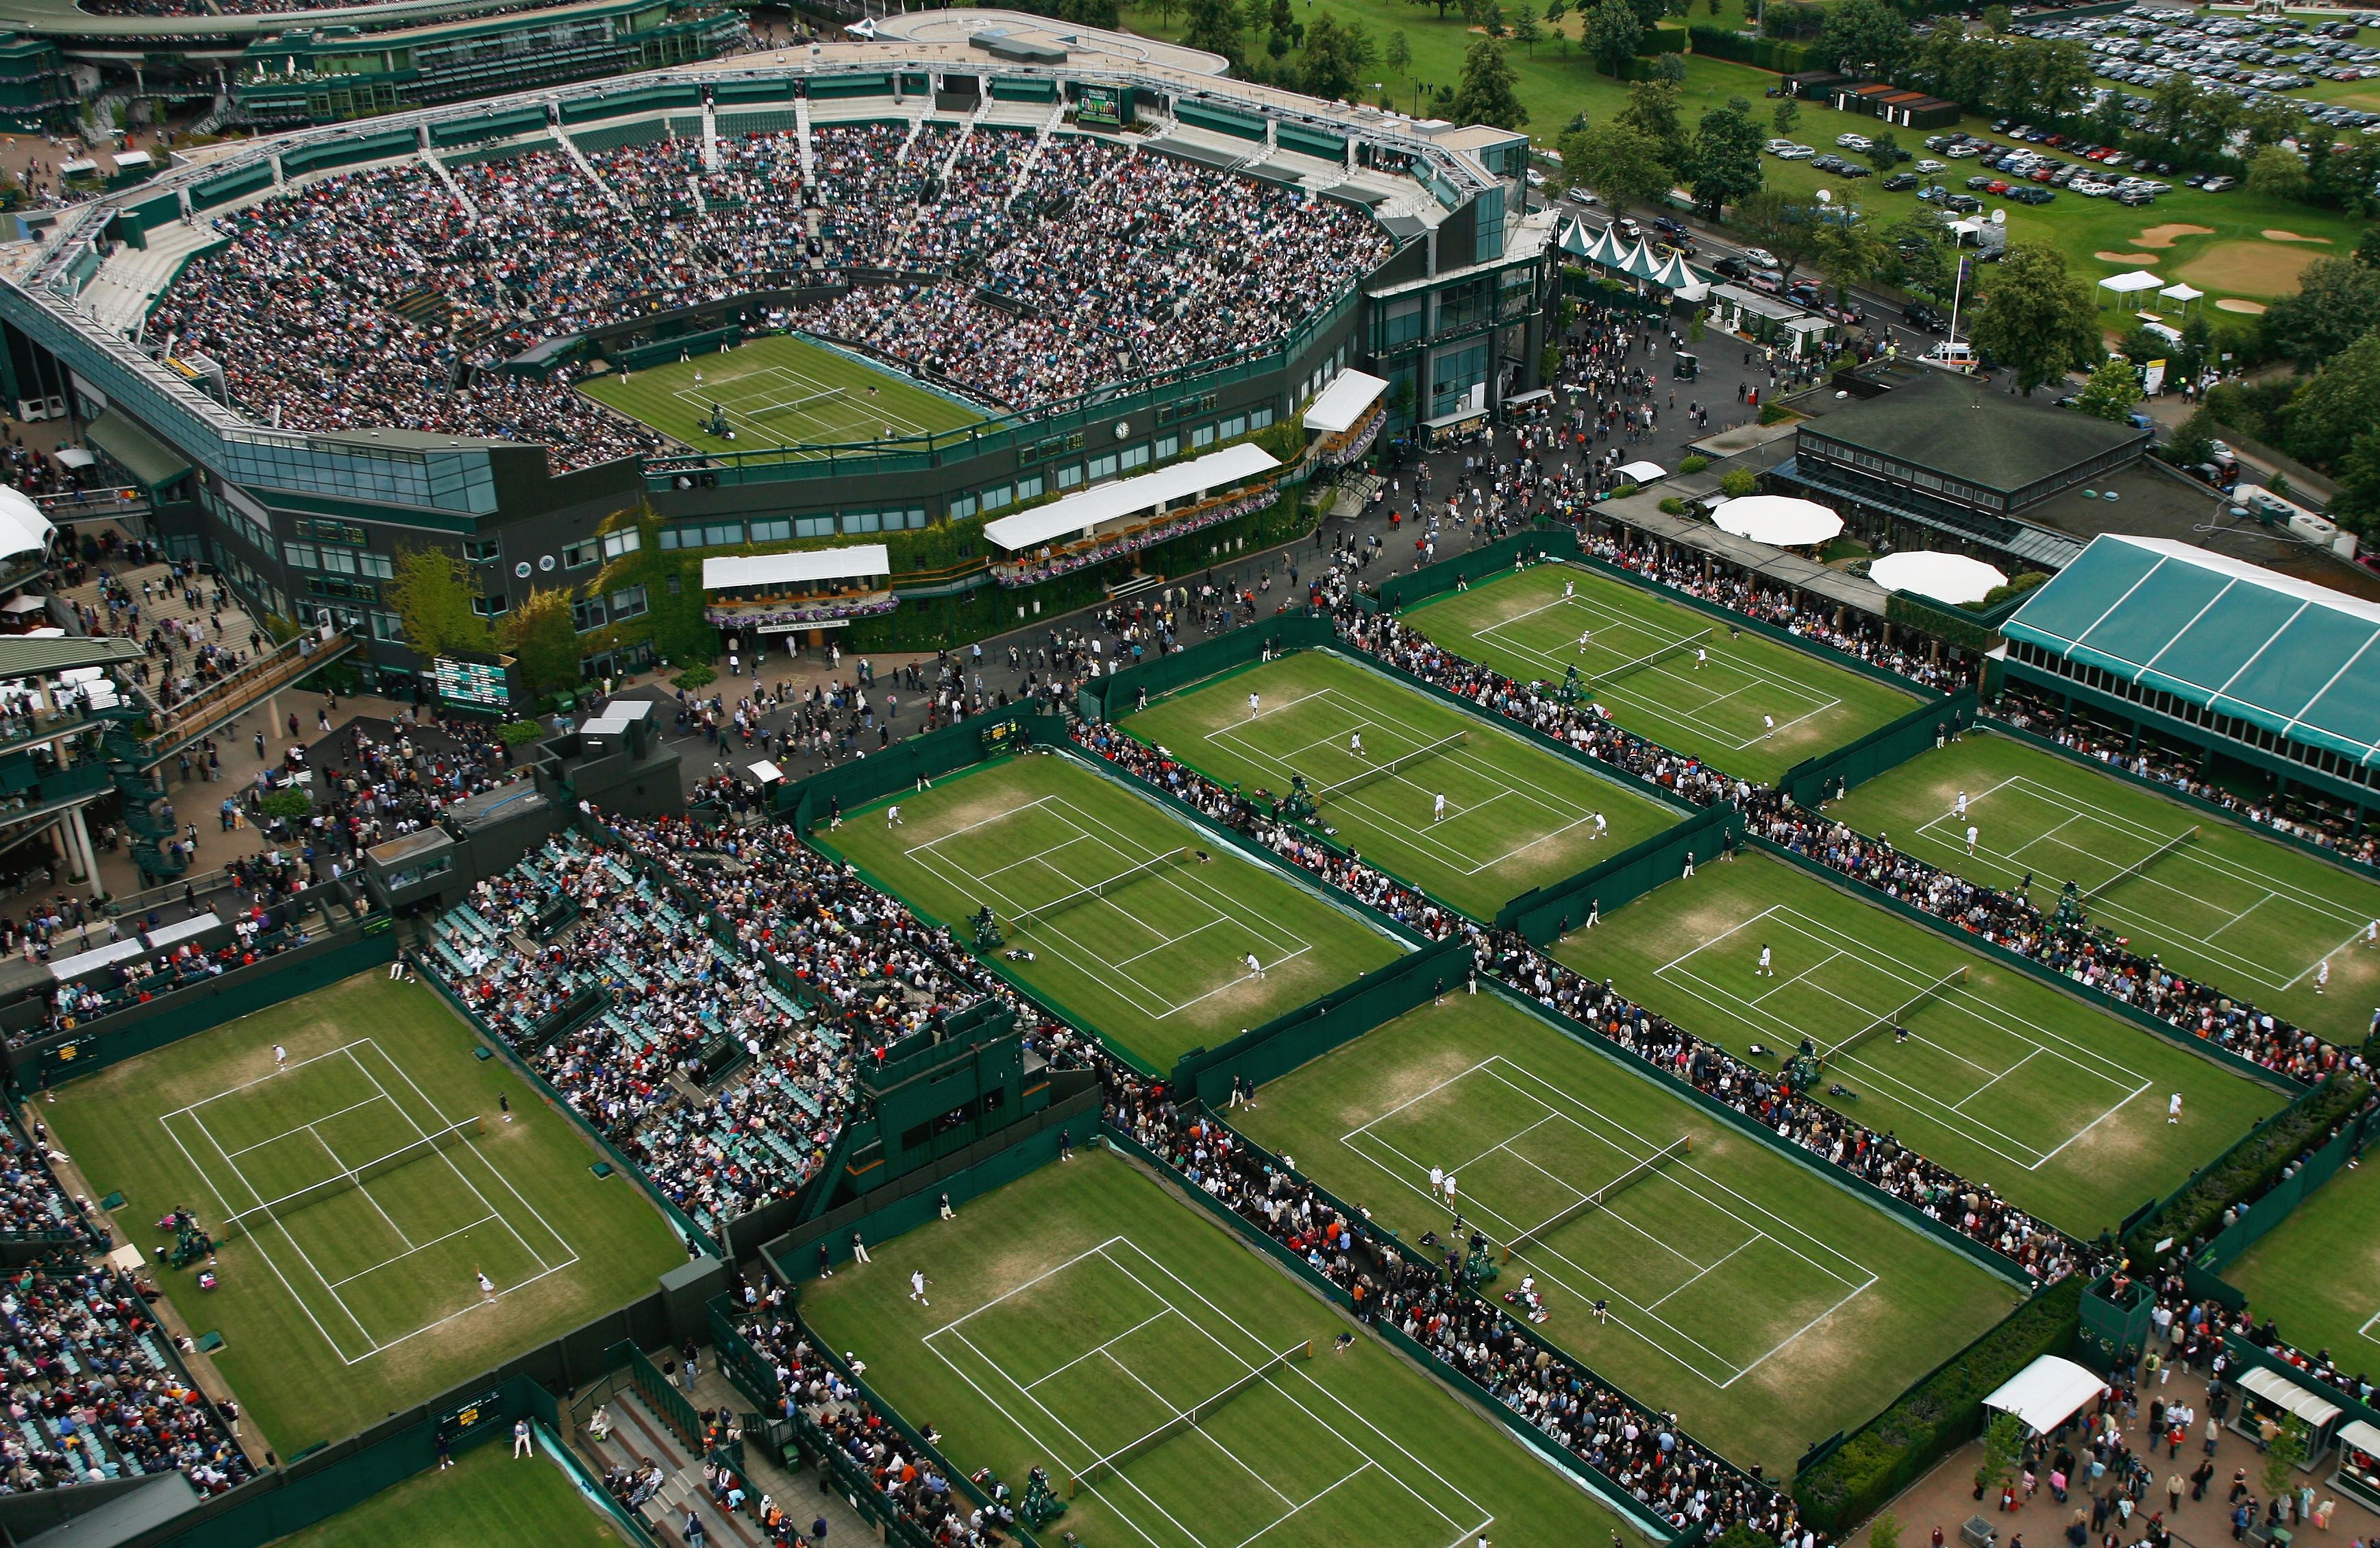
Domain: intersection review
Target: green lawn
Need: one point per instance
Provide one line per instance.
(1157, 964)
(1529, 626)
(486, 1498)
(1517, 816)
(1757, 1301)
(2318, 1274)
(2245, 913)
(779, 391)
(1080, 1307)
(2058, 1106)
(344, 1303)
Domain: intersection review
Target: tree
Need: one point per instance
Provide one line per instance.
(1724, 166)
(1884, 1531)
(2357, 505)
(1865, 34)
(1920, 254)
(1611, 32)
(1555, 11)
(1622, 164)
(2277, 172)
(1487, 95)
(1213, 25)
(433, 591)
(2003, 1443)
(1526, 30)
(1883, 152)
(2193, 442)
(1400, 55)
(1652, 110)
(2111, 392)
(1787, 114)
(1773, 223)
(1670, 70)
(2283, 1454)
(540, 633)
(2338, 405)
(2036, 317)
(1851, 252)
(1997, 18)
(2367, 247)
(1328, 68)
(2336, 302)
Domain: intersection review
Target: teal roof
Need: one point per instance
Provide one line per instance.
(2293, 657)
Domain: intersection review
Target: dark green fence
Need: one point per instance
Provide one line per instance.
(1104, 698)
(1286, 1041)
(2252, 1165)
(1544, 914)
(188, 1011)
(812, 801)
(2258, 1217)
(1813, 780)
(1500, 558)
(751, 1372)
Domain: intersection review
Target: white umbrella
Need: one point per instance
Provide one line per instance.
(1943, 577)
(1779, 520)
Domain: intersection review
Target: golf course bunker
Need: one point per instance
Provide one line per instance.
(2272, 236)
(2125, 257)
(2250, 268)
(2164, 236)
(2245, 309)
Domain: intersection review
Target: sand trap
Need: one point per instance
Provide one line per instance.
(2163, 235)
(2292, 237)
(2247, 309)
(2249, 268)
(2125, 257)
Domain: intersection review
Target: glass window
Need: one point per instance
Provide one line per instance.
(378, 566)
(1135, 456)
(301, 555)
(388, 627)
(813, 526)
(669, 539)
(916, 518)
(1259, 417)
(1103, 466)
(1069, 477)
(578, 556)
(587, 614)
(340, 560)
(480, 551)
(994, 499)
(491, 607)
(626, 540)
(862, 521)
(629, 602)
(722, 535)
(1030, 489)
(961, 508)
(1234, 427)
(1202, 436)
(772, 532)
(1168, 445)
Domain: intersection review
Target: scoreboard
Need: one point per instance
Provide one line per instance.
(1108, 105)
(485, 686)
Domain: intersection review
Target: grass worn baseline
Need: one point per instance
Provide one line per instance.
(1529, 625)
(1083, 1307)
(2318, 1274)
(487, 1497)
(2058, 1106)
(2227, 906)
(1517, 816)
(368, 1183)
(1761, 1303)
(782, 390)
(1159, 918)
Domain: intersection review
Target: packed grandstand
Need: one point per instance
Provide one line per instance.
(1026, 270)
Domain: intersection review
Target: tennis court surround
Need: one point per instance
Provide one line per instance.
(782, 390)
(1517, 815)
(1159, 918)
(2230, 908)
(2058, 1106)
(1529, 625)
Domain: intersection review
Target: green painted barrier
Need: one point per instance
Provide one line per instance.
(1106, 699)
(1485, 563)
(898, 767)
(1545, 914)
(1813, 780)
(2259, 1216)
(2247, 1168)
(1292, 1039)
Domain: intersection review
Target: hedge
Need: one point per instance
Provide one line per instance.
(1935, 1417)
(1900, 610)
(2246, 1170)
(1769, 54)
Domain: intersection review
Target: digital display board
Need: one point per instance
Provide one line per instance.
(474, 685)
(1100, 104)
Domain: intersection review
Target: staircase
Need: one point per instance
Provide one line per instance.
(440, 169)
(141, 793)
(587, 168)
(127, 284)
(640, 1437)
(802, 125)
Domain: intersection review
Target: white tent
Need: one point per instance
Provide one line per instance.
(2178, 292)
(23, 528)
(1573, 239)
(2047, 1393)
(2131, 284)
(1944, 576)
(1638, 261)
(2289, 1396)
(1779, 520)
(1642, 472)
(1671, 273)
(1347, 399)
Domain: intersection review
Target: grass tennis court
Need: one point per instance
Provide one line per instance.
(1529, 624)
(486, 1497)
(2248, 914)
(354, 1197)
(2058, 1106)
(1764, 1305)
(1517, 816)
(782, 390)
(2318, 1274)
(1085, 1307)
(1156, 919)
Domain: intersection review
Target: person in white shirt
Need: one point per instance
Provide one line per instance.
(1767, 969)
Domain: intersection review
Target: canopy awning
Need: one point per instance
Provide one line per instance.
(2182, 293)
(765, 773)
(1345, 401)
(2363, 1438)
(151, 463)
(20, 605)
(2289, 1396)
(2126, 284)
(853, 562)
(1943, 577)
(1779, 520)
(2047, 1393)
(73, 456)
(1642, 472)
(1079, 513)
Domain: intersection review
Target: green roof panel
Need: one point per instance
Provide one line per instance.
(2154, 610)
(2078, 595)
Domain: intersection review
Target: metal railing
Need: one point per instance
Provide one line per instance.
(275, 670)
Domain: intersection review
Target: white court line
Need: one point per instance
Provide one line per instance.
(304, 1128)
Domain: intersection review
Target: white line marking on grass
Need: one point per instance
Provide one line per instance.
(347, 1171)
(410, 1250)
(303, 1128)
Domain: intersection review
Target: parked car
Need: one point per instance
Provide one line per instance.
(2219, 184)
(1579, 196)
(1923, 318)
(1851, 141)
(1898, 181)
(1760, 257)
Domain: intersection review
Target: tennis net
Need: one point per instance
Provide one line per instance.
(1039, 914)
(1197, 1413)
(1600, 1196)
(1396, 765)
(2160, 852)
(1654, 658)
(1896, 1016)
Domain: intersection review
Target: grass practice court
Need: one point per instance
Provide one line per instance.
(782, 390)
(2058, 1106)
(488, 1497)
(2249, 914)
(1085, 1320)
(1517, 815)
(1764, 1305)
(355, 1196)
(1136, 921)
(2317, 1274)
(1637, 654)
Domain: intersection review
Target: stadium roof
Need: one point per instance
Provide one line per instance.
(1080, 513)
(851, 562)
(26, 655)
(2298, 659)
(1344, 402)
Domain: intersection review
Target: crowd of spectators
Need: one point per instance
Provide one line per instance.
(391, 294)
